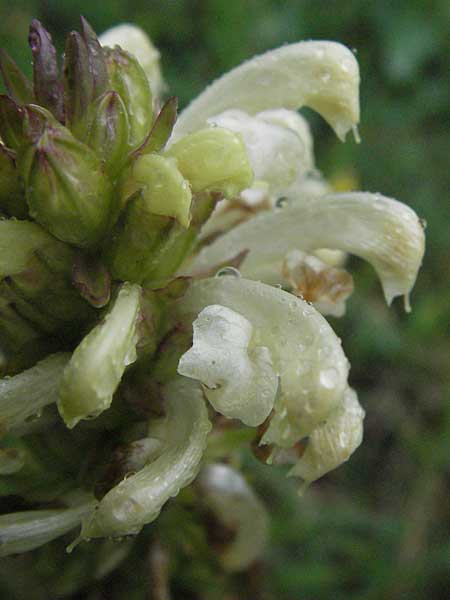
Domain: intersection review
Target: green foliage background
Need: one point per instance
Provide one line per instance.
(377, 527)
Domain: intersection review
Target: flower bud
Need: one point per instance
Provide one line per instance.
(159, 191)
(12, 201)
(135, 41)
(85, 78)
(213, 159)
(128, 79)
(109, 131)
(19, 87)
(66, 188)
(47, 85)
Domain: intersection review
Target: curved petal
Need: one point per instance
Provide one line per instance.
(98, 363)
(138, 499)
(321, 75)
(26, 394)
(332, 443)
(386, 233)
(238, 377)
(24, 531)
(226, 492)
(306, 353)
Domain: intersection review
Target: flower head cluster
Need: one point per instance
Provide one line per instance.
(158, 274)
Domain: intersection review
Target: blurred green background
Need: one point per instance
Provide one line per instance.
(377, 527)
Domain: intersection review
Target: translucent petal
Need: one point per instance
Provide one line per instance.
(292, 120)
(238, 376)
(26, 394)
(306, 353)
(332, 443)
(138, 499)
(24, 531)
(386, 233)
(232, 500)
(98, 363)
(321, 75)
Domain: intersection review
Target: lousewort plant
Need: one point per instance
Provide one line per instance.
(163, 281)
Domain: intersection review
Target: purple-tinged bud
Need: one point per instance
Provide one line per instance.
(128, 79)
(109, 132)
(78, 85)
(96, 59)
(47, 85)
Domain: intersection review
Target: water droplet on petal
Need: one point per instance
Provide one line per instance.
(282, 202)
(228, 272)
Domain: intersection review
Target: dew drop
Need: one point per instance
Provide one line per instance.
(282, 202)
(228, 272)
(329, 378)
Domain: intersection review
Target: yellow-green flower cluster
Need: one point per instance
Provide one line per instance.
(151, 264)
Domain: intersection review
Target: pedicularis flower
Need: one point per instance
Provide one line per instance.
(161, 273)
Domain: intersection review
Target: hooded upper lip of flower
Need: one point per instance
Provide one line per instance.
(262, 355)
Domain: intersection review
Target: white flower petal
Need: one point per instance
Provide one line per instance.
(292, 120)
(238, 376)
(277, 154)
(226, 492)
(321, 75)
(386, 233)
(332, 443)
(306, 353)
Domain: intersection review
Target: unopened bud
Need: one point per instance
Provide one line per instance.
(48, 88)
(160, 194)
(109, 131)
(135, 41)
(85, 78)
(128, 79)
(66, 188)
(213, 159)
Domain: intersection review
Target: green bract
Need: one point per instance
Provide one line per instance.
(124, 233)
